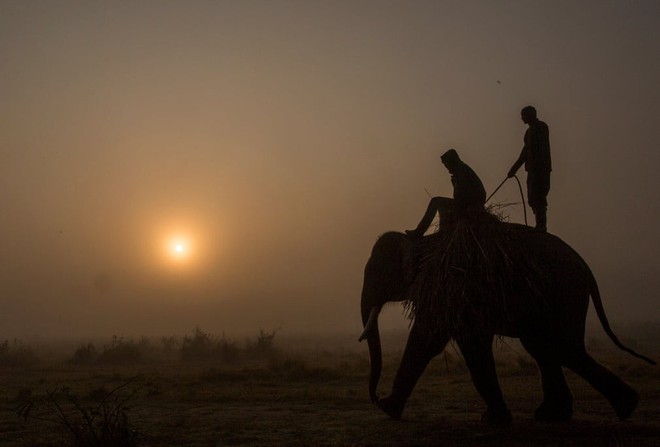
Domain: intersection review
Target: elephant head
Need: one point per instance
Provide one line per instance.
(387, 277)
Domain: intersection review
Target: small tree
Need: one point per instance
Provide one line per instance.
(200, 346)
(120, 351)
(84, 355)
(264, 345)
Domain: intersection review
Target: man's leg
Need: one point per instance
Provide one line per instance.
(437, 205)
(541, 218)
(538, 186)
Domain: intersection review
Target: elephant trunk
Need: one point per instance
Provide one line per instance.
(372, 334)
(387, 276)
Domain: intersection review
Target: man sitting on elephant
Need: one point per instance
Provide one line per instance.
(469, 195)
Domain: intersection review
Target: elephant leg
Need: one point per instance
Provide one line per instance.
(557, 402)
(478, 354)
(422, 346)
(620, 395)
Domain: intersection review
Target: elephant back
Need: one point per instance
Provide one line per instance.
(476, 271)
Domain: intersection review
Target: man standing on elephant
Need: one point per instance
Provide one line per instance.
(469, 195)
(535, 155)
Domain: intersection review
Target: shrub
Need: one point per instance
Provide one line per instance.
(98, 393)
(17, 355)
(169, 343)
(84, 355)
(264, 345)
(120, 352)
(229, 352)
(200, 346)
(103, 424)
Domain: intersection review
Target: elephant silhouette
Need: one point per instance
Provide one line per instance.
(550, 325)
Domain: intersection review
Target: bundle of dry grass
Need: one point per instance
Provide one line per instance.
(474, 269)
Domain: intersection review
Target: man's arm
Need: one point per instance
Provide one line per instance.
(519, 162)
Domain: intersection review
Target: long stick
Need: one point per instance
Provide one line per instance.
(497, 189)
(522, 196)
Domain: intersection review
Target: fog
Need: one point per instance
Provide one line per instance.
(281, 138)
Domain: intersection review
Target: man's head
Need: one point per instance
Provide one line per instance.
(450, 160)
(528, 114)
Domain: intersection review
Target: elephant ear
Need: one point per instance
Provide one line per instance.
(408, 265)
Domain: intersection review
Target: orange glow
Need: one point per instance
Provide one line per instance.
(180, 244)
(180, 248)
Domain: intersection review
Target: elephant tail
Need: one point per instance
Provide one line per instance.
(600, 311)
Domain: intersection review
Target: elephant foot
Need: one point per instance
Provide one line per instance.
(391, 407)
(554, 413)
(501, 418)
(626, 403)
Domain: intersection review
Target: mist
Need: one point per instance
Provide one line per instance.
(284, 137)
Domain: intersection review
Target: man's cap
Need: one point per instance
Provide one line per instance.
(529, 110)
(451, 156)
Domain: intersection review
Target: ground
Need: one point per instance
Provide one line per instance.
(319, 398)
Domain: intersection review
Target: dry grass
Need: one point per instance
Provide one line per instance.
(318, 397)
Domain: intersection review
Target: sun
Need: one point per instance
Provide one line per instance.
(179, 248)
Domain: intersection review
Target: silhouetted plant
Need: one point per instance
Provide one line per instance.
(203, 346)
(264, 344)
(98, 393)
(17, 354)
(144, 344)
(84, 355)
(5, 355)
(198, 347)
(120, 351)
(169, 343)
(102, 425)
(229, 352)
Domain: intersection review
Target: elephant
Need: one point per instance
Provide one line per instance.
(553, 336)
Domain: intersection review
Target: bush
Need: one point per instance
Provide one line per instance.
(229, 352)
(198, 347)
(85, 355)
(17, 355)
(204, 347)
(120, 352)
(169, 343)
(103, 424)
(264, 345)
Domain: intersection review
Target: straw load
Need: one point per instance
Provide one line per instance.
(475, 271)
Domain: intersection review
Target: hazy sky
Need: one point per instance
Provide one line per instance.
(282, 137)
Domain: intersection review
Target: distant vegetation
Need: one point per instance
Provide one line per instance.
(119, 351)
(266, 348)
(17, 354)
(200, 346)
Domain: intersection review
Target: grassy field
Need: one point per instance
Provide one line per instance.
(288, 392)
